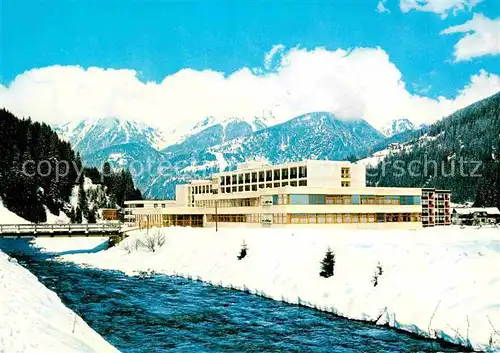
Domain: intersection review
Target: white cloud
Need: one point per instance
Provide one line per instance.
(482, 37)
(442, 7)
(381, 6)
(268, 59)
(360, 83)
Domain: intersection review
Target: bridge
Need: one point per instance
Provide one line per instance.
(62, 230)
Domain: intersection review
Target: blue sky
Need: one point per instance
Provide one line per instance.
(159, 38)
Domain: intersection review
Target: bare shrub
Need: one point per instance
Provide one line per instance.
(378, 272)
(153, 241)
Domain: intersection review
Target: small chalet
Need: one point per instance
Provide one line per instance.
(476, 216)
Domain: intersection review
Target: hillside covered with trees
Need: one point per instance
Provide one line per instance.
(39, 170)
(460, 152)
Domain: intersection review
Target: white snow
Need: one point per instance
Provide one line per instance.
(33, 318)
(437, 282)
(73, 244)
(52, 218)
(221, 161)
(8, 217)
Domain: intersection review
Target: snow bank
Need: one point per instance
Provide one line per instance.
(33, 318)
(438, 282)
(8, 217)
(71, 245)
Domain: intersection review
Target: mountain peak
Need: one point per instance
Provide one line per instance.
(91, 134)
(396, 126)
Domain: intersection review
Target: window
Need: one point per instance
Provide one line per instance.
(269, 175)
(222, 179)
(345, 184)
(293, 173)
(269, 185)
(228, 180)
(299, 199)
(233, 178)
(261, 186)
(302, 182)
(254, 187)
(345, 172)
(302, 172)
(284, 173)
(234, 189)
(285, 183)
(277, 174)
(240, 188)
(247, 187)
(261, 176)
(240, 178)
(276, 185)
(247, 178)
(293, 183)
(254, 177)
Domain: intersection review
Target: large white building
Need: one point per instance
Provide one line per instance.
(312, 192)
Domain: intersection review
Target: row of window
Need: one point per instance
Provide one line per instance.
(255, 187)
(264, 176)
(318, 218)
(201, 189)
(305, 199)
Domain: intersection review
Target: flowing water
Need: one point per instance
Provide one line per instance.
(164, 314)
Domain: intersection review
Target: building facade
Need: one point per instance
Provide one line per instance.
(319, 193)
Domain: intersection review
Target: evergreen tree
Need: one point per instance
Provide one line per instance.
(328, 264)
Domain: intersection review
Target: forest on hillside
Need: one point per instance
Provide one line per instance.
(460, 152)
(39, 170)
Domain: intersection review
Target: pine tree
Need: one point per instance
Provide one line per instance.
(328, 264)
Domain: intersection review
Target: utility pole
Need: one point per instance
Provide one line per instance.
(216, 216)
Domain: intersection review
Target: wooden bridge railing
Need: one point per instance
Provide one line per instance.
(59, 228)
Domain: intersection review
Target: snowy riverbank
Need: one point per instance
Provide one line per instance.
(441, 282)
(33, 318)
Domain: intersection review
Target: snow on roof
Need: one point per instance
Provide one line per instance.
(470, 210)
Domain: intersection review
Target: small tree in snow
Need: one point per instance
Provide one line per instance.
(243, 251)
(153, 241)
(328, 264)
(377, 274)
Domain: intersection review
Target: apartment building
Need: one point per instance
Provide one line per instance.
(436, 207)
(311, 192)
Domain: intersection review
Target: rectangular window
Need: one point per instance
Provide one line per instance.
(254, 187)
(247, 187)
(269, 175)
(345, 184)
(247, 178)
(222, 179)
(240, 178)
(293, 173)
(269, 185)
(275, 199)
(254, 177)
(228, 180)
(293, 183)
(240, 188)
(277, 174)
(345, 172)
(303, 183)
(355, 200)
(299, 199)
(261, 176)
(285, 183)
(303, 172)
(284, 173)
(234, 179)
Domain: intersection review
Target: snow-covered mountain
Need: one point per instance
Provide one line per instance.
(220, 146)
(396, 126)
(90, 135)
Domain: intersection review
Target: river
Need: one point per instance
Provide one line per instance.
(157, 313)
